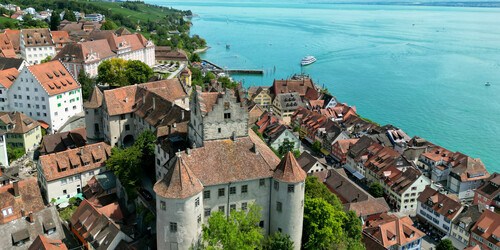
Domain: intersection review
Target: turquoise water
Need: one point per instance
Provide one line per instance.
(420, 68)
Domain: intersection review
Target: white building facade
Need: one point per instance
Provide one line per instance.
(36, 45)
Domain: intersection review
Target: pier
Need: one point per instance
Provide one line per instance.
(218, 68)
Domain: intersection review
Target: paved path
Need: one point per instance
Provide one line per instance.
(175, 73)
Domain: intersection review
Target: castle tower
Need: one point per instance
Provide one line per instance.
(93, 116)
(179, 207)
(287, 199)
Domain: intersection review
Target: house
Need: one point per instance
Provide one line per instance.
(489, 192)
(6, 47)
(7, 77)
(398, 138)
(265, 120)
(62, 141)
(255, 111)
(88, 55)
(15, 38)
(165, 54)
(8, 174)
(437, 210)
(310, 164)
(392, 232)
(25, 216)
(486, 232)
(60, 38)
(21, 131)
(285, 104)
(465, 177)
(100, 185)
(462, 225)
(340, 149)
(358, 155)
(379, 160)
(47, 92)
(95, 17)
(292, 85)
(94, 229)
(277, 134)
(79, 30)
(16, 63)
(36, 45)
(63, 175)
(43, 243)
(185, 76)
(261, 96)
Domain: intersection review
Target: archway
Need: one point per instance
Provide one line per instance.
(128, 140)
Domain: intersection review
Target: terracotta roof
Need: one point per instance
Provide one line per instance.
(179, 182)
(133, 41)
(62, 141)
(15, 38)
(6, 47)
(391, 230)
(60, 38)
(186, 72)
(470, 170)
(72, 161)
(43, 243)
(29, 201)
(8, 76)
(165, 53)
(476, 247)
(490, 187)
(344, 145)
(85, 52)
(488, 227)
(289, 170)
(54, 77)
(289, 86)
(7, 63)
(170, 89)
(112, 211)
(311, 94)
(441, 203)
(401, 182)
(37, 37)
(122, 31)
(95, 99)
(21, 122)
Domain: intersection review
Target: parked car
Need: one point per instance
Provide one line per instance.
(146, 194)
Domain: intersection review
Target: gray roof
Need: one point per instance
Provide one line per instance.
(7, 63)
(289, 101)
(468, 217)
(21, 228)
(107, 180)
(306, 161)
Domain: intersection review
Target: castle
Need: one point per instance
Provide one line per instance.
(227, 167)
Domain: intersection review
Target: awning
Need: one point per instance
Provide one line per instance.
(43, 124)
(354, 172)
(324, 151)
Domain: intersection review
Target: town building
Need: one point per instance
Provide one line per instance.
(43, 243)
(185, 76)
(310, 164)
(358, 155)
(392, 232)
(285, 105)
(466, 177)
(95, 17)
(292, 85)
(489, 193)
(63, 141)
(165, 54)
(437, 210)
(36, 45)
(46, 92)
(15, 38)
(462, 224)
(265, 120)
(16, 63)
(277, 134)
(63, 175)
(21, 131)
(486, 232)
(87, 56)
(7, 77)
(6, 47)
(24, 216)
(79, 30)
(61, 39)
(255, 111)
(9, 173)
(94, 229)
(261, 96)
(4, 159)
(340, 149)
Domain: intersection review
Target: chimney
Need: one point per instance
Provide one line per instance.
(31, 218)
(143, 97)
(154, 103)
(188, 151)
(81, 151)
(254, 148)
(16, 189)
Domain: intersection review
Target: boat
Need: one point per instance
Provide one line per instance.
(487, 84)
(228, 46)
(308, 60)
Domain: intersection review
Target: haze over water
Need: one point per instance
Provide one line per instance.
(422, 69)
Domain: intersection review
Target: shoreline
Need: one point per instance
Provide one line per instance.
(202, 50)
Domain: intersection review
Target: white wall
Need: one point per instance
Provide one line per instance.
(56, 188)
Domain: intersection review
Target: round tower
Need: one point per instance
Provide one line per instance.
(93, 116)
(287, 199)
(179, 207)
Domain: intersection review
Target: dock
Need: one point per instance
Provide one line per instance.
(218, 68)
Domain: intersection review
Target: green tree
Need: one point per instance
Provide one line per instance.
(109, 25)
(125, 163)
(238, 231)
(137, 72)
(55, 20)
(15, 153)
(69, 15)
(208, 77)
(195, 58)
(86, 83)
(316, 147)
(278, 241)
(296, 129)
(47, 59)
(376, 190)
(322, 225)
(445, 244)
(316, 189)
(226, 82)
(146, 143)
(112, 72)
(287, 146)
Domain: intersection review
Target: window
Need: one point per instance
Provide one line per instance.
(244, 206)
(162, 205)
(221, 208)
(44, 107)
(122, 117)
(6, 212)
(279, 206)
(219, 130)
(127, 127)
(65, 191)
(43, 99)
(262, 182)
(232, 190)
(227, 115)
(207, 212)
(197, 202)
(199, 218)
(261, 224)
(27, 89)
(221, 192)
(244, 189)
(206, 194)
(63, 181)
(291, 188)
(173, 227)
(36, 89)
(276, 185)
(232, 207)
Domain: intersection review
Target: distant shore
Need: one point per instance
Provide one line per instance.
(443, 4)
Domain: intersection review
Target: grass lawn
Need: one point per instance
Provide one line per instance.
(5, 19)
(144, 13)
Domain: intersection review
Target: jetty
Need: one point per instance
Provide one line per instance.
(218, 68)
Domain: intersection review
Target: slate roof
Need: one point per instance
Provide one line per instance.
(72, 161)
(37, 37)
(61, 141)
(391, 230)
(54, 77)
(29, 201)
(289, 170)
(7, 63)
(490, 187)
(8, 76)
(21, 122)
(43, 243)
(441, 203)
(306, 161)
(179, 182)
(488, 226)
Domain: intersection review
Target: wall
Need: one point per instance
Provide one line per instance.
(408, 204)
(55, 188)
(3, 151)
(286, 135)
(32, 138)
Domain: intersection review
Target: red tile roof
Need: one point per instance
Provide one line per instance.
(441, 203)
(72, 161)
(29, 199)
(37, 37)
(15, 38)
(54, 77)
(290, 86)
(6, 47)
(289, 170)
(43, 243)
(8, 76)
(488, 227)
(22, 123)
(179, 183)
(391, 230)
(344, 145)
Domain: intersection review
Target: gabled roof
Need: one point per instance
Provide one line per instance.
(62, 141)
(29, 200)
(8, 76)
(15, 38)
(179, 183)
(345, 145)
(7, 63)
(289, 170)
(54, 77)
(37, 37)
(21, 122)
(289, 86)
(43, 243)
(6, 47)
(391, 230)
(439, 202)
(488, 227)
(167, 54)
(491, 187)
(470, 170)
(306, 161)
(468, 217)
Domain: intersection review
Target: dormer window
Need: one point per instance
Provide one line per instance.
(481, 229)
(7, 212)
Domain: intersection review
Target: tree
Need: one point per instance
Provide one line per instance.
(226, 82)
(15, 153)
(109, 25)
(376, 190)
(125, 163)
(137, 72)
(278, 241)
(55, 20)
(445, 244)
(238, 231)
(322, 225)
(86, 83)
(208, 77)
(112, 72)
(316, 147)
(296, 129)
(195, 58)
(316, 189)
(69, 15)
(287, 146)
(146, 143)
(47, 59)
